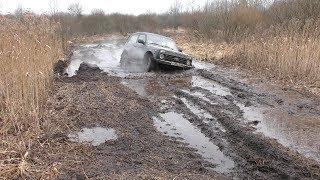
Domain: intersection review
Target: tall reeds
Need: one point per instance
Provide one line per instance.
(28, 48)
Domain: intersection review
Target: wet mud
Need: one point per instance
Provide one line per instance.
(95, 136)
(201, 123)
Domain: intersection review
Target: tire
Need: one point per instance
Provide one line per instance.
(149, 62)
(124, 59)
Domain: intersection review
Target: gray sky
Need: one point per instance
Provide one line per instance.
(109, 6)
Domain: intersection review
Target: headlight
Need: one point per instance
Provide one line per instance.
(161, 56)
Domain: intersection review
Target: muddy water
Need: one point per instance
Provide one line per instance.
(203, 114)
(196, 110)
(197, 94)
(95, 136)
(203, 65)
(211, 86)
(252, 114)
(299, 132)
(175, 125)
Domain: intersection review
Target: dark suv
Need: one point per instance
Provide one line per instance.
(146, 50)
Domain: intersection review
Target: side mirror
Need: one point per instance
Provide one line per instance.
(179, 49)
(141, 41)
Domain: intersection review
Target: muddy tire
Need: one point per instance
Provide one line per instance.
(124, 59)
(148, 62)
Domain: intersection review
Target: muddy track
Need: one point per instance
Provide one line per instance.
(195, 124)
(256, 155)
(93, 99)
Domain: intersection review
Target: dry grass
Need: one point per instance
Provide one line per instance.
(282, 41)
(28, 48)
(284, 52)
(200, 47)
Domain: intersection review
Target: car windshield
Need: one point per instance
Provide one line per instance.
(162, 41)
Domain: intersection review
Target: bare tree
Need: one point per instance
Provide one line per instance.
(97, 12)
(19, 11)
(54, 8)
(75, 9)
(243, 2)
(176, 8)
(175, 11)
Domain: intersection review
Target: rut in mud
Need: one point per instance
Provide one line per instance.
(201, 123)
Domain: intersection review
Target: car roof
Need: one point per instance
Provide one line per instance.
(148, 33)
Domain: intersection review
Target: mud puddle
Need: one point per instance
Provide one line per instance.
(196, 110)
(203, 114)
(95, 136)
(203, 65)
(297, 132)
(272, 123)
(211, 86)
(293, 120)
(175, 125)
(251, 115)
(197, 94)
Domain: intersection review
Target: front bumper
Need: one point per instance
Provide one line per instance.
(176, 64)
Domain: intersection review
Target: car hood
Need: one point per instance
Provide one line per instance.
(170, 51)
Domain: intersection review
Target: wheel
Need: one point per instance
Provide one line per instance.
(124, 59)
(148, 62)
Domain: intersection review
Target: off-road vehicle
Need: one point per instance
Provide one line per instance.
(147, 50)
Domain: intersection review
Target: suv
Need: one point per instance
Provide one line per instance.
(146, 50)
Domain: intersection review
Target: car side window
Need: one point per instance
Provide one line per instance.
(142, 37)
(133, 39)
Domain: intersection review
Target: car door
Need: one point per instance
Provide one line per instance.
(140, 48)
(130, 46)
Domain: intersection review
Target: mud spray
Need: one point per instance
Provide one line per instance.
(107, 57)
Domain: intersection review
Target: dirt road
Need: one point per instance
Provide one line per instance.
(204, 123)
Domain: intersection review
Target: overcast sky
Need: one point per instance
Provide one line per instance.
(109, 6)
